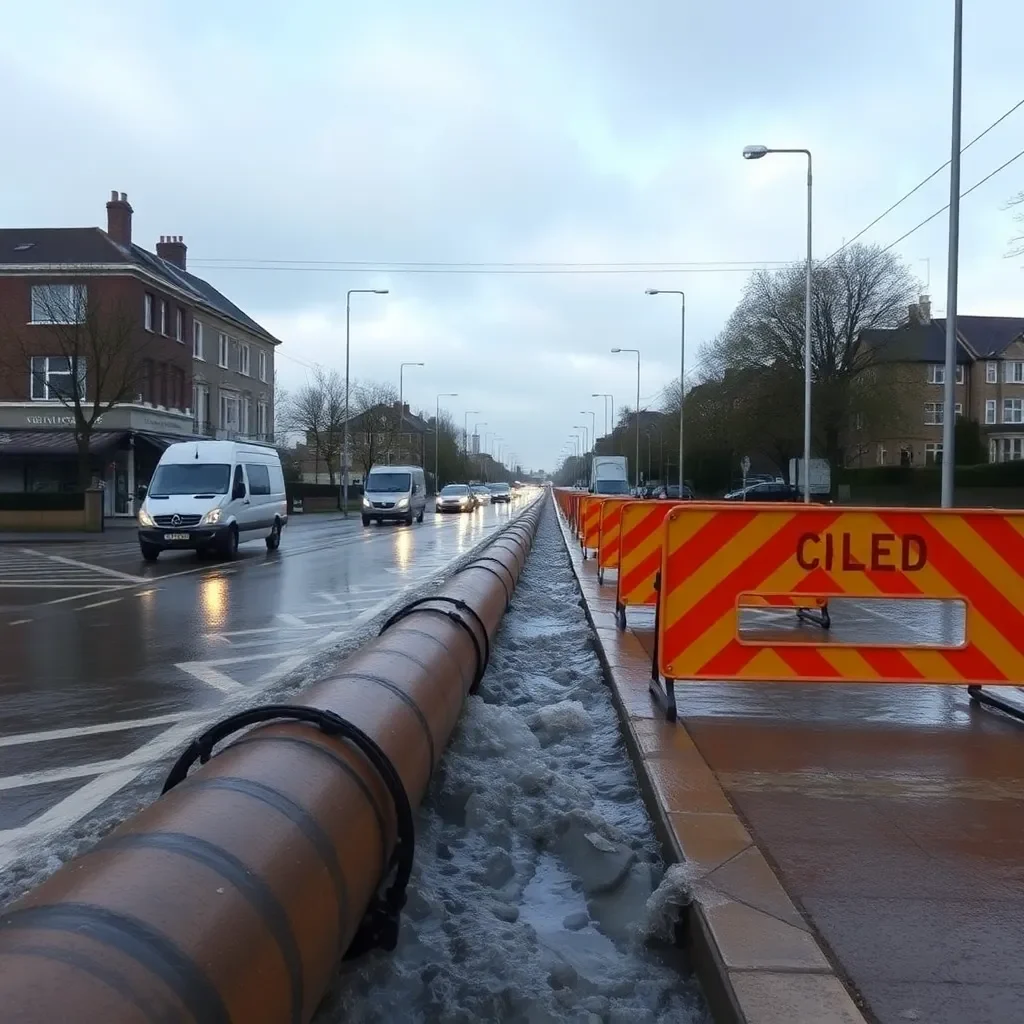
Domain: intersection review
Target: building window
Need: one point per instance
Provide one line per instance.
(991, 373)
(960, 374)
(243, 417)
(990, 409)
(936, 373)
(163, 317)
(933, 454)
(222, 350)
(147, 308)
(1013, 410)
(993, 450)
(935, 412)
(179, 326)
(197, 340)
(243, 363)
(880, 455)
(261, 363)
(858, 421)
(229, 411)
(200, 408)
(261, 420)
(58, 303)
(1013, 372)
(53, 381)
(1011, 449)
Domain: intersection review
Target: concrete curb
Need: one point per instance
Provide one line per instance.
(757, 958)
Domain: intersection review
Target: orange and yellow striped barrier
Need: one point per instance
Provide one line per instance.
(608, 535)
(640, 538)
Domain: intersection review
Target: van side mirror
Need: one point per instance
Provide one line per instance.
(140, 492)
(238, 491)
(415, 488)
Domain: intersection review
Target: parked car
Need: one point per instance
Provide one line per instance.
(672, 493)
(765, 491)
(456, 498)
(500, 492)
(398, 493)
(209, 496)
(482, 494)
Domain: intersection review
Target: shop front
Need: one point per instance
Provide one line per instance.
(39, 450)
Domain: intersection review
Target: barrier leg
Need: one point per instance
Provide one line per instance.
(980, 696)
(620, 616)
(664, 696)
(600, 576)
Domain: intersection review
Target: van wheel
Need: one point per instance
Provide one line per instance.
(410, 518)
(150, 552)
(229, 546)
(274, 539)
(366, 520)
(419, 518)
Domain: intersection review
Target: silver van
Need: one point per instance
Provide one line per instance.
(210, 496)
(398, 493)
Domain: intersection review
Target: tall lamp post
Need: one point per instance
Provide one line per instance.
(401, 397)
(465, 429)
(682, 367)
(348, 320)
(953, 258)
(636, 352)
(437, 438)
(607, 399)
(593, 427)
(755, 153)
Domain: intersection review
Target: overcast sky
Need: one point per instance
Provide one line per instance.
(556, 131)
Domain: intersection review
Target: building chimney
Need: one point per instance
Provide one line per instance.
(172, 249)
(924, 305)
(119, 219)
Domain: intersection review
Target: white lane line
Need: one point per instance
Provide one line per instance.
(205, 673)
(100, 604)
(18, 622)
(90, 593)
(290, 620)
(329, 598)
(74, 732)
(62, 586)
(147, 593)
(86, 565)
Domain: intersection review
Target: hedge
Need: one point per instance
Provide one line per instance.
(928, 478)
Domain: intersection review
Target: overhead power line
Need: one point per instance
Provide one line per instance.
(924, 181)
(508, 272)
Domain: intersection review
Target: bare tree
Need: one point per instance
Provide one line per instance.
(317, 412)
(1017, 242)
(93, 357)
(375, 430)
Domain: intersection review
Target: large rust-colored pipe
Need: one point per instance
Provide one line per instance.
(234, 896)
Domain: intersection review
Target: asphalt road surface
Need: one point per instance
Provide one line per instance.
(109, 663)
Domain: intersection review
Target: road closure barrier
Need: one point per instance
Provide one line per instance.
(234, 896)
(640, 541)
(717, 559)
(608, 535)
(591, 530)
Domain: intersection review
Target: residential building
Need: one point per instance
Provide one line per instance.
(908, 366)
(141, 333)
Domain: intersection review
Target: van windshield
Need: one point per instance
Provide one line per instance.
(611, 487)
(389, 483)
(190, 478)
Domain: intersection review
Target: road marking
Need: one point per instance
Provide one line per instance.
(18, 622)
(86, 565)
(100, 604)
(206, 673)
(74, 732)
(290, 620)
(146, 593)
(329, 598)
(81, 597)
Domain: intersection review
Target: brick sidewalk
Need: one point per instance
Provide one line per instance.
(893, 818)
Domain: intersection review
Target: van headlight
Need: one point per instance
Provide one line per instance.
(212, 517)
(145, 519)
(402, 503)
(366, 502)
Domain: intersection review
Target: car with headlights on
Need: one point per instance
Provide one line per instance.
(500, 492)
(481, 493)
(456, 498)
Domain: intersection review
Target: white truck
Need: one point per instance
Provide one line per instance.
(820, 477)
(609, 474)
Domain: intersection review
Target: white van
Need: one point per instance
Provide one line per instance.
(210, 496)
(394, 492)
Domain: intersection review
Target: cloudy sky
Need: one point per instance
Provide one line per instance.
(338, 145)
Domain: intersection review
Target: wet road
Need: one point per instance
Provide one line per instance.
(109, 663)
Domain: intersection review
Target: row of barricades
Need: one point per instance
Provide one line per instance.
(700, 563)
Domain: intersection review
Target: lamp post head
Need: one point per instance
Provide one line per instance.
(380, 291)
(653, 291)
(616, 349)
(754, 152)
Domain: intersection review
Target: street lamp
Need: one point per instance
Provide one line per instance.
(682, 366)
(437, 437)
(607, 399)
(583, 427)
(465, 428)
(401, 399)
(755, 153)
(348, 318)
(636, 352)
(593, 427)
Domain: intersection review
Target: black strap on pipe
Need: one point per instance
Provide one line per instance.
(379, 927)
(483, 654)
(479, 564)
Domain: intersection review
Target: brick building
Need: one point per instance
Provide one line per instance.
(87, 315)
